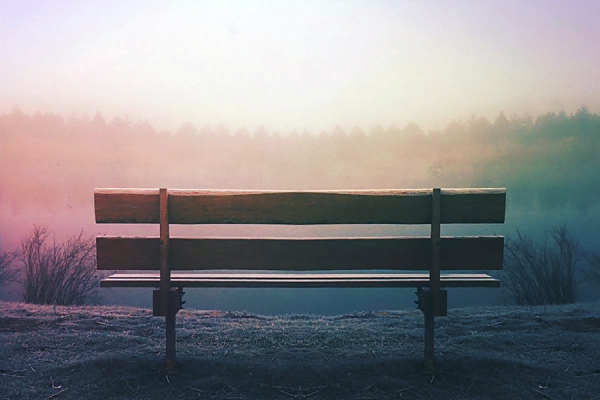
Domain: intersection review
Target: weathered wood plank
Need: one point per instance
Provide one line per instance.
(127, 206)
(300, 207)
(411, 253)
(248, 275)
(300, 281)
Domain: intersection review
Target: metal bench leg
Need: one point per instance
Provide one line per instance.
(425, 304)
(171, 351)
(429, 362)
(175, 303)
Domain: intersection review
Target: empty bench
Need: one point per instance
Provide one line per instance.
(297, 257)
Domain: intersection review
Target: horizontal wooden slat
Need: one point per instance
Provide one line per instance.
(127, 206)
(411, 253)
(304, 275)
(300, 207)
(299, 280)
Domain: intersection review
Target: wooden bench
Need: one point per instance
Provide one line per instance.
(299, 255)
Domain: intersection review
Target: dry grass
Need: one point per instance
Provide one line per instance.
(116, 352)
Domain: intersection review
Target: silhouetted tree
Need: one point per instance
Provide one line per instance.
(521, 125)
(501, 124)
(593, 268)
(187, 130)
(412, 131)
(7, 272)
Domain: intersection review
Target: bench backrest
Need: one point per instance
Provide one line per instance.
(300, 208)
(423, 206)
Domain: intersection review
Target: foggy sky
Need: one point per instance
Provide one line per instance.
(299, 65)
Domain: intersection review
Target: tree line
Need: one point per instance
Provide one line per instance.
(551, 160)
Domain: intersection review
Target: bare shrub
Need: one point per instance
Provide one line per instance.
(592, 272)
(542, 273)
(7, 272)
(59, 274)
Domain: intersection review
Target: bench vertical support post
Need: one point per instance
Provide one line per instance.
(434, 279)
(434, 272)
(165, 271)
(166, 308)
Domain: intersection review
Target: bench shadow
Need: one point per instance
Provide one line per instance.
(271, 378)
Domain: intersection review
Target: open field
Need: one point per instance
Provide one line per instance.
(116, 352)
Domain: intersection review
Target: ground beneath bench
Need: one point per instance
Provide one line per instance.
(116, 352)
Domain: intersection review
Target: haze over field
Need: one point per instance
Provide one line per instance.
(308, 96)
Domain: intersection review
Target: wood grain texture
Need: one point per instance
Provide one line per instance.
(411, 253)
(300, 280)
(300, 207)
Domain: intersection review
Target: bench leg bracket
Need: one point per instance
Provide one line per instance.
(425, 304)
(175, 304)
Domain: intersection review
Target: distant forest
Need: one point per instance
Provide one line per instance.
(549, 161)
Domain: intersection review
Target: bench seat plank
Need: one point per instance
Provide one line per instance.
(299, 280)
(301, 254)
